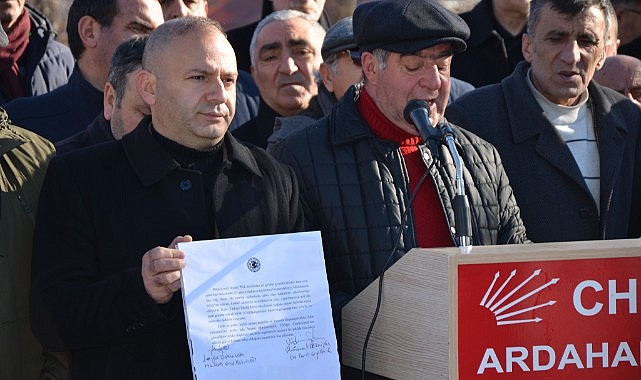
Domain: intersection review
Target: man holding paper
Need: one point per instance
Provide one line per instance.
(99, 286)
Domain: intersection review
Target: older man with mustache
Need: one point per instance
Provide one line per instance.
(286, 56)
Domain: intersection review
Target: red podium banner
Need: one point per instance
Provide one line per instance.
(560, 319)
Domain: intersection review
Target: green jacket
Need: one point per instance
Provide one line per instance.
(23, 161)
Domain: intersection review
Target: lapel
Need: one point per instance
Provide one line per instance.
(527, 121)
(611, 131)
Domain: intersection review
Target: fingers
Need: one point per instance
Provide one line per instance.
(180, 239)
(161, 270)
(165, 261)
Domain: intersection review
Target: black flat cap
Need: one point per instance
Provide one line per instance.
(407, 26)
(4, 40)
(338, 38)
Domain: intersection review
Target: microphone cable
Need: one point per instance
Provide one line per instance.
(389, 258)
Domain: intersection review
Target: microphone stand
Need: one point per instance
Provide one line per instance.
(462, 214)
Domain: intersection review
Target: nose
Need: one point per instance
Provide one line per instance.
(571, 52)
(430, 79)
(216, 94)
(287, 65)
(175, 9)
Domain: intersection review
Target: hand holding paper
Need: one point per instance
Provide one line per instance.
(161, 270)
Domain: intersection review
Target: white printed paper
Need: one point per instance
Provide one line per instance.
(258, 308)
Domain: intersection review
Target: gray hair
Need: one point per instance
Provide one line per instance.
(381, 56)
(286, 14)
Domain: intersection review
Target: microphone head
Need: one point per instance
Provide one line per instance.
(414, 105)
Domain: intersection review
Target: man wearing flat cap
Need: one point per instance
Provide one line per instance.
(365, 182)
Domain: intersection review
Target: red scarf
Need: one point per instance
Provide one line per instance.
(11, 54)
(429, 218)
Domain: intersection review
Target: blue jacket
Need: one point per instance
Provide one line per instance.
(47, 64)
(60, 113)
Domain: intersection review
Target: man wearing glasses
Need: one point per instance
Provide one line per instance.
(629, 17)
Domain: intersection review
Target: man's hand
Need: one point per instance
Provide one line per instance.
(161, 270)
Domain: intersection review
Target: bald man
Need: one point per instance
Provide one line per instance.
(112, 285)
(623, 74)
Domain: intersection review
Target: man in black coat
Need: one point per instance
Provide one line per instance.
(571, 148)
(106, 274)
(286, 56)
(123, 107)
(494, 47)
(368, 182)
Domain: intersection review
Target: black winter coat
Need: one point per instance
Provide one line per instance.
(555, 202)
(101, 209)
(355, 190)
(489, 56)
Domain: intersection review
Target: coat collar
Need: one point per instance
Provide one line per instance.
(527, 121)
(346, 111)
(152, 163)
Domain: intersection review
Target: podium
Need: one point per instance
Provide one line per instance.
(549, 310)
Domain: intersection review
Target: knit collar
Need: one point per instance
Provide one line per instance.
(380, 125)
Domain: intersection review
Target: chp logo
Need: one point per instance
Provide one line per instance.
(505, 302)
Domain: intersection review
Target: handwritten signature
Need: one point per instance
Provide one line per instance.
(309, 345)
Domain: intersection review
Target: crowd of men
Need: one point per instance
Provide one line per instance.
(157, 126)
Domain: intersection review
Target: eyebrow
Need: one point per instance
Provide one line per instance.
(142, 24)
(277, 45)
(270, 46)
(298, 42)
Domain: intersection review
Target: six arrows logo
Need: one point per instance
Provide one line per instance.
(502, 308)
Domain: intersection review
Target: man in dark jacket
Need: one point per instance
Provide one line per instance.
(123, 106)
(95, 29)
(33, 63)
(285, 53)
(105, 267)
(494, 47)
(628, 13)
(359, 167)
(571, 147)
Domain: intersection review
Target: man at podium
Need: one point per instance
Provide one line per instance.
(369, 182)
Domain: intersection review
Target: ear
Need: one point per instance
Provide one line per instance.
(527, 47)
(327, 76)
(370, 66)
(602, 60)
(109, 101)
(146, 86)
(89, 31)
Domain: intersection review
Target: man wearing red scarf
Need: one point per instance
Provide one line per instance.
(359, 167)
(32, 63)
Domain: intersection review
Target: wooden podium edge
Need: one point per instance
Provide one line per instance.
(383, 346)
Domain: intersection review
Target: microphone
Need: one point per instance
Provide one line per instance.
(417, 112)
